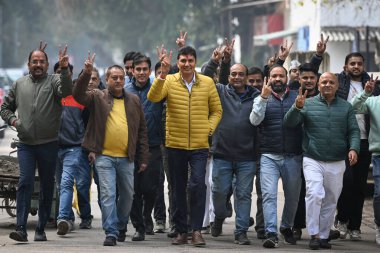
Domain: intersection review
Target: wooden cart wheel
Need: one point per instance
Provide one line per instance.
(10, 206)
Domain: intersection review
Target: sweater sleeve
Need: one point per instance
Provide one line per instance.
(258, 110)
(358, 103)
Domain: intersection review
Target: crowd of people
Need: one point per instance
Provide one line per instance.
(209, 134)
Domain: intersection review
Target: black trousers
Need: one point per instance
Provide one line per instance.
(351, 200)
(145, 187)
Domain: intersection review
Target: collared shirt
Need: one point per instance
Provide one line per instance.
(189, 85)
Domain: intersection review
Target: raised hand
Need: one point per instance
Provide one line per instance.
(284, 50)
(42, 47)
(301, 98)
(370, 84)
(272, 60)
(63, 58)
(89, 63)
(217, 54)
(181, 40)
(228, 49)
(165, 60)
(321, 45)
(267, 89)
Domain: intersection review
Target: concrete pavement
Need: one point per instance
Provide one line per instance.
(92, 240)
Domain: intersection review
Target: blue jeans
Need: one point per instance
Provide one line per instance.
(289, 169)
(45, 157)
(179, 161)
(222, 176)
(376, 194)
(115, 172)
(74, 165)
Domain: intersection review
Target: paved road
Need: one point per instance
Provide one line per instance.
(91, 240)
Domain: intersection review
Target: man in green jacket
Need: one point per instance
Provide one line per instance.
(36, 97)
(330, 131)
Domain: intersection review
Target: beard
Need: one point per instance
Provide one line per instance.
(279, 88)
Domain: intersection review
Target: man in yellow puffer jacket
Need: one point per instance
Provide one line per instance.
(193, 113)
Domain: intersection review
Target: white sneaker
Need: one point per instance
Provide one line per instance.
(355, 235)
(342, 228)
(377, 235)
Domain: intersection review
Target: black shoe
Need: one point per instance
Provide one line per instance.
(138, 237)
(297, 233)
(19, 235)
(314, 243)
(242, 239)
(109, 241)
(251, 221)
(149, 232)
(271, 241)
(173, 232)
(334, 234)
(229, 208)
(287, 234)
(121, 237)
(261, 234)
(217, 226)
(40, 236)
(324, 244)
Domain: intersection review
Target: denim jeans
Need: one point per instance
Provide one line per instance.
(179, 161)
(222, 175)
(45, 157)
(289, 169)
(376, 194)
(74, 165)
(115, 172)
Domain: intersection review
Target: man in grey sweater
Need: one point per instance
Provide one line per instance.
(36, 97)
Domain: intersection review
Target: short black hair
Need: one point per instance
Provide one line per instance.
(278, 66)
(56, 66)
(255, 70)
(187, 50)
(157, 66)
(30, 55)
(354, 54)
(140, 59)
(108, 72)
(130, 56)
(307, 67)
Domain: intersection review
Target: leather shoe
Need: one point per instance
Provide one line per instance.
(197, 239)
(180, 239)
(138, 237)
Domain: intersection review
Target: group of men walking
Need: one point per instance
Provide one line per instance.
(242, 121)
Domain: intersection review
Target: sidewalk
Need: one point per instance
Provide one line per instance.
(92, 240)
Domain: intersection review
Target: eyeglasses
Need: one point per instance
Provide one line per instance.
(35, 62)
(235, 74)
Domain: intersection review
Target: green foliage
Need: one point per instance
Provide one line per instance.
(105, 27)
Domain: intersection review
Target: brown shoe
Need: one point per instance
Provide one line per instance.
(180, 239)
(197, 239)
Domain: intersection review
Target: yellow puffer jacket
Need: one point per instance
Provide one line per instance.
(190, 118)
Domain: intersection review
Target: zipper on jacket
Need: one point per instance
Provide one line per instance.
(188, 139)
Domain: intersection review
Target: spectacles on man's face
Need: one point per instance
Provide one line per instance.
(239, 74)
(36, 62)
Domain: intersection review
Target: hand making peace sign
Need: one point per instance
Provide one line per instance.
(63, 58)
(267, 89)
(321, 45)
(284, 50)
(89, 63)
(301, 98)
(165, 60)
(227, 52)
(370, 84)
(181, 40)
